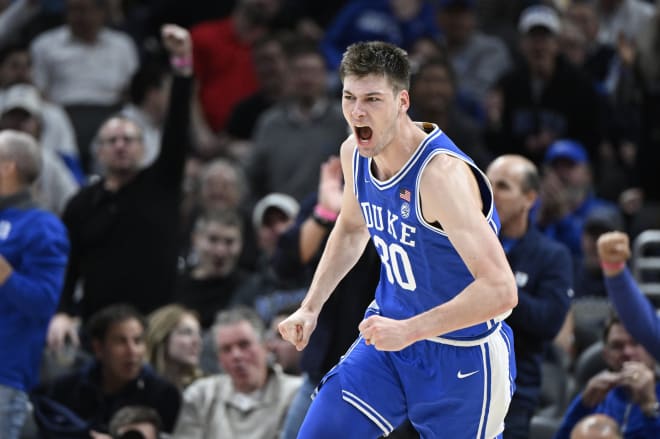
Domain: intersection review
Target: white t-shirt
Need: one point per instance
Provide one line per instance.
(70, 71)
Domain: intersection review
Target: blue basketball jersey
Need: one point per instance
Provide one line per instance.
(420, 267)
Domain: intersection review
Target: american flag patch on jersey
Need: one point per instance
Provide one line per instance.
(404, 194)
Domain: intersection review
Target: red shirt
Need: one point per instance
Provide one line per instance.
(223, 68)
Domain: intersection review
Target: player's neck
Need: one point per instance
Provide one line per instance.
(399, 150)
(515, 228)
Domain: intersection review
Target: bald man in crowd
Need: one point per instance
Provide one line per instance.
(543, 273)
(596, 427)
(34, 249)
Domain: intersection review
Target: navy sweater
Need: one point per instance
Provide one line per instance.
(544, 275)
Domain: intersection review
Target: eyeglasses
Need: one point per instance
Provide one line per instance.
(114, 139)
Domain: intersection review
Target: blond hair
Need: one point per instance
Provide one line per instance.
(161, 324)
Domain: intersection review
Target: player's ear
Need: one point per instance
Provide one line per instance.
(404, 100)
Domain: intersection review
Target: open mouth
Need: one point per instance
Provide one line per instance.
(363, 133)
(219, 263)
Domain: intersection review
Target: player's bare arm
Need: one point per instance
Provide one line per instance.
(459, 211)
(343, 249)
(346, 242)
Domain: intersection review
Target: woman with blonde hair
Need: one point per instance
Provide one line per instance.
(174, 344)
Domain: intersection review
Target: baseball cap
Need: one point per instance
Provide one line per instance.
(539, 16)
(566, 149)
(22, 96)
(286, 203)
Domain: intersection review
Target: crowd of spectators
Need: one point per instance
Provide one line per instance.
(187, 150)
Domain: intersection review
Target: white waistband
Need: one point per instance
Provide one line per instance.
(464, 343)
(468, 342)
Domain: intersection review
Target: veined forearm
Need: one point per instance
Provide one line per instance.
(482, 300)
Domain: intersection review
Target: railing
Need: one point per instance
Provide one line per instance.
(646, 263)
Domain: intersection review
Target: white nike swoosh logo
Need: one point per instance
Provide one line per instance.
(461, 375)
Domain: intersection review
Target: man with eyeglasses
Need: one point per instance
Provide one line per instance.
(124, 227)
(627, 391)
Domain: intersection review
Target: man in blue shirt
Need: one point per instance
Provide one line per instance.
(636, 311)
(33, 254)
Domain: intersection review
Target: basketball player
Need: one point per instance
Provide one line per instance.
(433, 347)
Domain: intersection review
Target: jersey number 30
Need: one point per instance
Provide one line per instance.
(396, 263)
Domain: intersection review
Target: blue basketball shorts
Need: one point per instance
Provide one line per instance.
(448, 389)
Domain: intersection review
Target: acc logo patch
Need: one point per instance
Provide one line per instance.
(405, 210)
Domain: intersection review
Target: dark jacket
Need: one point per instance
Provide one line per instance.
(81, 392)
(567, 106)
(124, 244)
(544, 275)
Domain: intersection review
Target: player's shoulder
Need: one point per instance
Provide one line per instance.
(444, 166)
(349, 142)
(348, 146)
